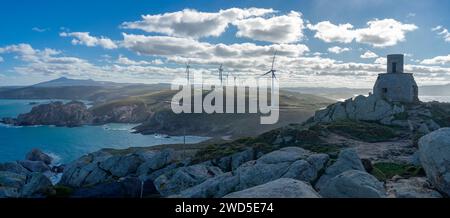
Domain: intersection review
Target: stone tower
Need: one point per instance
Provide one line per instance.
(395, 85)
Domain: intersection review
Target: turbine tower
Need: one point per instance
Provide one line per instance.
(187, 72)
(221, 75)
(272, 71)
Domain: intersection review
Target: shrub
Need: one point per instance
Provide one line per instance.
(387, 170)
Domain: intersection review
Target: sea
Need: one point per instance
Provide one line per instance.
(67, 144)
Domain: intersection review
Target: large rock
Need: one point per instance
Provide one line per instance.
(122, 165)
(10, 179)
(232, 162)
(347, 160)
(8, 192)
(184, 177)
(415, 187)
(434, 151)
(38, 155)
(280, 188)
(215, 187)
(255, 173)
(368, 108)
(156, 160)
(13, 167)
(289, 162)
(85, 171)
(34, 166)
(353, 184)
(287, 154)
(37, 185)
(123, 188)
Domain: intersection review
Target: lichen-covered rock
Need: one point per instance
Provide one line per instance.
(434, 151)
(75, 173)
(256, 173)
(156, 160)
(121, 165)
(9, 192)
(280, 188)
(347, 160)
(10, 179)
(13, 167)
(301, 170)
(38, 155)
(215, 187)
(360, 108)
(184, 177)
(37, 185)
(287, 154)
(122, 188)
(353, 184)
(415, 187)
(34, 166)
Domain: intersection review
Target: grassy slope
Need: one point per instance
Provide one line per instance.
(295, 108)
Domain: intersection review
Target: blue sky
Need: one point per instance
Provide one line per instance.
(320, 43)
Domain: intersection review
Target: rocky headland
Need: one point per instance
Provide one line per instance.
(76, 113)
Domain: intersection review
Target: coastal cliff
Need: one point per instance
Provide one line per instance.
(76, 113)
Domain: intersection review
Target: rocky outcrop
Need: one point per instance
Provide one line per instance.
(76, 113)
(289, 162)
(37, 186)
(415, 187)
(434, 152)
(38, 155)
(135, 112)
(347, 160)
(129, 187)
(34, 166)
(417, 117)
(27, 178)
(102, 172)
(353, 184)
(185, 177)
(360, 108)
(280, 188)
(56, 113)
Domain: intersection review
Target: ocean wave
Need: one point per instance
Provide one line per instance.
(10, 126)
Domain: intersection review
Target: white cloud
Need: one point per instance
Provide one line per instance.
(1, 59)
(193, 24)
(338, 50)
(329, 32)
(126, 61)
(168, 46)
(278, 29)
(443, 32)
(381, 60)
(437, 60)
(378, 33)
(369, 54)
(84, 38)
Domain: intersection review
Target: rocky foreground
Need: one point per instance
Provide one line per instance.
(361, 148)
(290, 172)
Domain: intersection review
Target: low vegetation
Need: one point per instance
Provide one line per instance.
(385, 170)
(364, 131)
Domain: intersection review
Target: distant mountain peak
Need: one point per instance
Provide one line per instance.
(64, 81)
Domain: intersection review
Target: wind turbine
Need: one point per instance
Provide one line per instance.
(187, 72)
(221, 75)
(272, 71)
